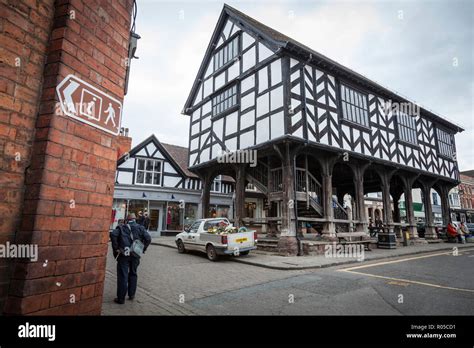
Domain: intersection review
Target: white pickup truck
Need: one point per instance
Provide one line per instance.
(198, 238)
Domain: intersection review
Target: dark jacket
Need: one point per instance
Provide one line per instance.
(121, 238)
(144, 221)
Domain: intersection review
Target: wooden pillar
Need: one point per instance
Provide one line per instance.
(287, 243)
(239, 194)
(445, 211)
(206, 181)
(329, 227)
(387, 238)
(430, 232)
(269, 182)
(360, 211)
(396, 212)
(412, 229)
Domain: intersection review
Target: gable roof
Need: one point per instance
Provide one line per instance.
(180, 155)
(177, 155)
(169, 156)
(280, 41)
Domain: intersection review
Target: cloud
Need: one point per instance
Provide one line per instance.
(412, 55)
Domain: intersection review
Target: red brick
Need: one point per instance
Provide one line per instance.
(72, 238)
(54, 253)
(94, 250)
(67, 296)
(81, 184)
(87, 291)
(68, 266)
(67, 159)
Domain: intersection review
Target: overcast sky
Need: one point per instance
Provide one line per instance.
(423, 50)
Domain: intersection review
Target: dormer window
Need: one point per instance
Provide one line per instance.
(227, 53)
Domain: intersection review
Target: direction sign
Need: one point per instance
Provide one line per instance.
(86, 103)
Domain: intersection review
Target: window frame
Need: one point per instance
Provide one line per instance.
(145, 171)
(353, 104)
(440, 142)
(216, 68)
(404, 130)
(229, 109)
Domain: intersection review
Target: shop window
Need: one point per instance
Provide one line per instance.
(174, 217)
(190, 213)
(217, 211)
(137, 207)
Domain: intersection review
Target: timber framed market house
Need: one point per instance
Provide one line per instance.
(320, 130)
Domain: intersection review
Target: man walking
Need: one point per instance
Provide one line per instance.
(127, 263)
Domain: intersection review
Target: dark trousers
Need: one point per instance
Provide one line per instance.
(127, 276)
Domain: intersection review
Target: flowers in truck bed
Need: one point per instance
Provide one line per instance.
(222, 228)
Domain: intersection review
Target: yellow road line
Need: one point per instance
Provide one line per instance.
(351, 270)
(400, 260)
(411, 281)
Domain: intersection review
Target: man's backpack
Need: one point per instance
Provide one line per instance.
(137, 247)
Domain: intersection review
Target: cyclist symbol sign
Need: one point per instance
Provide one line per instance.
(86, 103)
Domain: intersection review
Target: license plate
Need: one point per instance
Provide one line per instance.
(241, 240)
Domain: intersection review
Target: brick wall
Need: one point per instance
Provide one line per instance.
(467, 196)
(124, 144)
(69, 182)
(25, 31)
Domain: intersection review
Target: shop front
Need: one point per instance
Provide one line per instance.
(169, 211)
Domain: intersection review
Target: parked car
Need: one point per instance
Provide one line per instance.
(198, 237)
(470, 227)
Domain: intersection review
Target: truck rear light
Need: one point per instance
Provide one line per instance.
(255, 236)
(224, 239)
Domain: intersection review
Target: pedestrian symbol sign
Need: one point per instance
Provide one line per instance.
(88, 104)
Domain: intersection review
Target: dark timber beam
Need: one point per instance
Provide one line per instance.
(327, 163)
(206, 180)
(287, 243)
(408, 181)
(239, 194)
(358, 180)
(387, 238)
(426, 186)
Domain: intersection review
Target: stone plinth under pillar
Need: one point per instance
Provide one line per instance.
(430, 232)
(288, 246)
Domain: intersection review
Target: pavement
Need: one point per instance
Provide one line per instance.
(272, 261)
(439, 282)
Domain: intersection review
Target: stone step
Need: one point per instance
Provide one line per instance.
(267, 244)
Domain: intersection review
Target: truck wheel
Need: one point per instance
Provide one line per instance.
(244, 252)
(211, 253)
(181, 248)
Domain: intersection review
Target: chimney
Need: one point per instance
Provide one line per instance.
(124, 142)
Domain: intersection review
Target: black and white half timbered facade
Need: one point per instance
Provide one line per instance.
(153, 178)
(320, 131)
